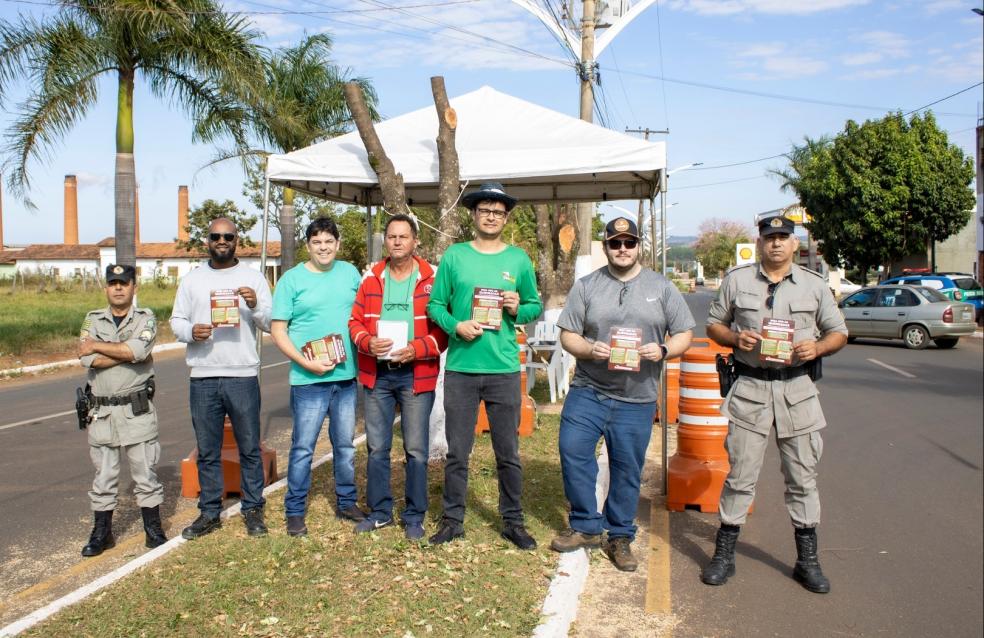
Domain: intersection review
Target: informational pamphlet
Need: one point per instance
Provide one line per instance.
(777, 340)
(225, 308)
(330, 349)
(396, 331)
(487, 307)
(625, 344)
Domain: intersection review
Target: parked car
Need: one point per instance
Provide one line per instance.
(914, 314)
(956, 286)
(847, 287)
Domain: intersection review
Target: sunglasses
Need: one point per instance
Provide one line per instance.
(225, 236)
(616, 244)
(772, 295)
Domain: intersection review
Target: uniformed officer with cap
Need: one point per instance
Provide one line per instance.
(769, 395)
(115, 346)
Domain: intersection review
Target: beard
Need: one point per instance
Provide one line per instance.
(621, 270)
(220, 256)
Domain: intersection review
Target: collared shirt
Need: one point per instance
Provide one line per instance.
(116, 425)
(792, 406)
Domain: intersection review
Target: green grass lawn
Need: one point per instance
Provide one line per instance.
(335, 583)
(49, 322)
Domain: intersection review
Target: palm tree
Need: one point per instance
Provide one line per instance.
(302, 103)
(184, 49)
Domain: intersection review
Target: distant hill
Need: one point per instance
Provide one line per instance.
(680, 240)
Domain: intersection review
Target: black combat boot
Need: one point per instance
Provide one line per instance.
(807, 570)
(152, 526)
(722, 565)
(102, 534)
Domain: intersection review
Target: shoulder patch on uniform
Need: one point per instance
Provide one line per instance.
(146, 335)
(86, 324)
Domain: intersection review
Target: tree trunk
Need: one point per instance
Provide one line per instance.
(125, 182)
(555, 261)
(288, 241)
(450, 182)
(390, 182)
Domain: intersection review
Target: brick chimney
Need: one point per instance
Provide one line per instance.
(71, 210)
(182, 212)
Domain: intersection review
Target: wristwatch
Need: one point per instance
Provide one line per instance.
(664, 350)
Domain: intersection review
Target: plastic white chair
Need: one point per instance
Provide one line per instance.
(545, 353)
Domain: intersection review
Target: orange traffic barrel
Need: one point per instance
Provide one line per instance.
(696, 473)
(672, 394)
(527, 413)
(190, 487)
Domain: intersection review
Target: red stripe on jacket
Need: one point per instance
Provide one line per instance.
(428, 342)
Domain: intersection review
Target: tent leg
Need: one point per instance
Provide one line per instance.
(369, 256)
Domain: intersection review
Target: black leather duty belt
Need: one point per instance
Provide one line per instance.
(123, 400)
(771, 374)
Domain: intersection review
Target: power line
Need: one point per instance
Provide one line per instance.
(943, 99)
(754, 161)
(774, 96)
(730, 181)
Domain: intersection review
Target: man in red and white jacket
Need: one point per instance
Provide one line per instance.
(399, 352)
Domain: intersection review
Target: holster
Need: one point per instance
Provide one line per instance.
(83, 406)
(727, 375)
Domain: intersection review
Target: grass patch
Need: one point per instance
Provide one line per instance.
(49, 321)
(335, 583)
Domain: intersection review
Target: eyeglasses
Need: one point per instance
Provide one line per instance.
(616, 244)
(621, 294)
(772, 294)
(491, 212)
(225, 236)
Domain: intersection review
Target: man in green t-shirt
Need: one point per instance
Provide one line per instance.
(482, 290)
(311, 308)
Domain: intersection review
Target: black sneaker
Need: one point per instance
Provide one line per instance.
(518, 536)
(371, 525)
(447, 532)
(351, 513)
(296, 526)
(203, 525)
(254, 522)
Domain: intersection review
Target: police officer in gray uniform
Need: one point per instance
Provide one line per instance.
(778, 396)
(115, 345)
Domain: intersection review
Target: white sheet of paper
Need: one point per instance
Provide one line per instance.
(395, 330)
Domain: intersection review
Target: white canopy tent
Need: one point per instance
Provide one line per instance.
(538, 154)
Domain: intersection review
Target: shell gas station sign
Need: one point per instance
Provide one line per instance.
(744, 254)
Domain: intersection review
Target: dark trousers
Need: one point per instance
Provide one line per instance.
(502, 396)
(212, 398)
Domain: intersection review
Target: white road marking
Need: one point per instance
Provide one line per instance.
(892, 368)
(36, 419)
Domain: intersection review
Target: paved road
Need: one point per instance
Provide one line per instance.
(46, 471)
(901, 487)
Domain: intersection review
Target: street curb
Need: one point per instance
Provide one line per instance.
(564, 594)
(128, 568)
(41, 367)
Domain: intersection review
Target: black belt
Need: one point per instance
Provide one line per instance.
(772, 374)
(392, 365)
(121, 400)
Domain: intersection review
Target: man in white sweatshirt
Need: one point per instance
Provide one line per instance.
(217, 311)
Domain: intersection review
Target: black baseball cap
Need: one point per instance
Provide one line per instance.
(120, 272)
(777, 224)
(621, 226)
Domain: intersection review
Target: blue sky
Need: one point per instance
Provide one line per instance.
(742, 80)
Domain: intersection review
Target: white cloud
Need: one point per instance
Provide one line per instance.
(877, 47)
(939, 6)
(793, 66)
(860, 59)
(873, 74)
(763, 50)
(88, 180)
(771, 7)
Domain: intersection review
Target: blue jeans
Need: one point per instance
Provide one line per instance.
(212, 398)
(396, 387)
(310, 404)
(626, 428)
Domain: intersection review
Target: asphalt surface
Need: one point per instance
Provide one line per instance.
(901, 490)
(46, 470)
(900, 483)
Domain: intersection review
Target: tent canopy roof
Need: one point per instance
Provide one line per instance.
(538, 154)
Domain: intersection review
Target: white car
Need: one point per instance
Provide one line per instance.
(848, 288)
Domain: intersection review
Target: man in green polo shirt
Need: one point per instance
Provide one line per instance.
(482, 290)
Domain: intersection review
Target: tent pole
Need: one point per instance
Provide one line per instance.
(263, 260)
(369, 259)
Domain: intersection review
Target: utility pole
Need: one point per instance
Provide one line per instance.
(587, 71)
(641, 218)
